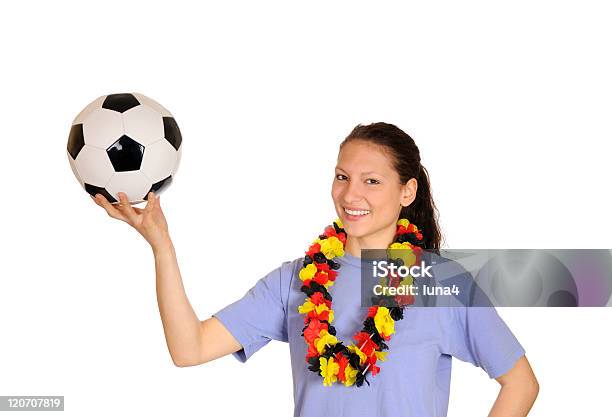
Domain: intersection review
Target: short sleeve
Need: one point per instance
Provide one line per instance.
(260, 315)
(481, 337)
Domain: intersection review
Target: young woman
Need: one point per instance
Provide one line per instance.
(347, 360)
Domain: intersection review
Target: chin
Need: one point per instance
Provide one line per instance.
(356, 230)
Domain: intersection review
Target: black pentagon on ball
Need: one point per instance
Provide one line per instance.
(120, 102)
(76, 141)
(125, 154)
(93, 190)
(172, 133)
(159, 186)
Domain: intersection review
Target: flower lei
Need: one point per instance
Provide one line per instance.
(326, 355)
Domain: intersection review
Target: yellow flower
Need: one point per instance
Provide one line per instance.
(308, 272)
(406, 281)
(362, 356)
(332, 247)
(384, 322)
(339, 223)
(323, 307)
(381, 356)
(350, 375)
(324, 339)
(329, 370)
(306, 307)
(403, 222)
(402, 251)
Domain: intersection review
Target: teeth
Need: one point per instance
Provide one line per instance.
(356, 212)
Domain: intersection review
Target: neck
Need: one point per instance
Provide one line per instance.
(379, 240)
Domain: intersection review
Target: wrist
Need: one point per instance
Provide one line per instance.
(162, 245)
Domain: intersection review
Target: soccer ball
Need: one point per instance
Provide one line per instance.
(124, 142)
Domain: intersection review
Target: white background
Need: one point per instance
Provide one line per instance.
(509, 103)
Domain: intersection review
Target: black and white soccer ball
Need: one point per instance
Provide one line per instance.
(124, 142)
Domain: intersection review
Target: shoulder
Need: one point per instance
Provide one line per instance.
(292, 267)
(281, 279)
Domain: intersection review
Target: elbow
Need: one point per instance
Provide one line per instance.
(535, 387)
(531, 388)
(182, 363)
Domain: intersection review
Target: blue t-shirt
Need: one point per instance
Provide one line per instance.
(414, 380)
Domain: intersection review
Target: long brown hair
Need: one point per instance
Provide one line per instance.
(407, 162)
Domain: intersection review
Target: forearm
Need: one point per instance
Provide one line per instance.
(180, 323)
(514, 400)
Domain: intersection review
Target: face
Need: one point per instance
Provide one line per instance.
(367, 193)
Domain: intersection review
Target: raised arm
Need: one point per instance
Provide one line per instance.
(189, 340)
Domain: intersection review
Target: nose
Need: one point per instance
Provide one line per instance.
(352, 192)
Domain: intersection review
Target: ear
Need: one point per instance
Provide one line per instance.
(408, 192)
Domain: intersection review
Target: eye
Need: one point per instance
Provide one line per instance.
(340, 175)
(375, 181)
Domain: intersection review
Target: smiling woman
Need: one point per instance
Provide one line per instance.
(382, 197)
(379, 178)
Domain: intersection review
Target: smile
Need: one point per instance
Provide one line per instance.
(356, 212)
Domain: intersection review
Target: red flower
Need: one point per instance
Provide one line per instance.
(372, 311)
(400, 230)
(321, 278)
(374, 369)
(317, 298)
(404, 300)
(342, 361)
(314, 248)
(419, 236)
(313, 315)
(364, 343)
(322, 267)
(331, 275)
(330, 231)
(312, 351)
(313, 330)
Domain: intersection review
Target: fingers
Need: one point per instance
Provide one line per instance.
(100, 200)
(150, 202)
(126, 208)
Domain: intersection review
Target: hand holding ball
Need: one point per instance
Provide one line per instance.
(124, 143)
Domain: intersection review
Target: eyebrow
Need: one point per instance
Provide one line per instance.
(364, 173)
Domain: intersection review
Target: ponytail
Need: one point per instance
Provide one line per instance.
(424, 214)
